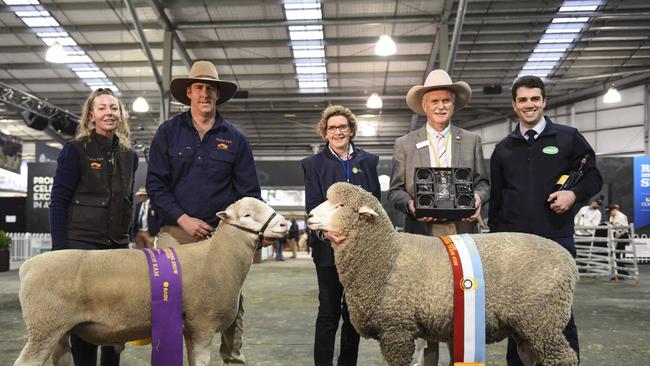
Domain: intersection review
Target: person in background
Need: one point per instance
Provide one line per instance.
(199, 164)
(617, 218)
(340, 161)
(294, 237)
(524, 169)
(91, 204)
(146, 223)
(588, 216)
(279, 248)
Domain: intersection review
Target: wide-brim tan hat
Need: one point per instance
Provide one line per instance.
(202, 72)
(141, 192)
(438, 79)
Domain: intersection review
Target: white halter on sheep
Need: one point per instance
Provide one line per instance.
(399, 286)
(104, 296)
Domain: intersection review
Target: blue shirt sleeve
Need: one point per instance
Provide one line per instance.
(244, 175)
(65, 182)
(159, 177)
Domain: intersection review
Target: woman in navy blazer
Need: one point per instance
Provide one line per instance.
(339, 161)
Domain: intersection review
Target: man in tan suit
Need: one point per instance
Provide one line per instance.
(437, 144)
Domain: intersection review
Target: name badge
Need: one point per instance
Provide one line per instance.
(422, 144)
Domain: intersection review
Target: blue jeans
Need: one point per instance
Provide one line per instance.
(570, 331)
(279, 246)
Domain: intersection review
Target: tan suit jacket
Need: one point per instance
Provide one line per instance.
(466, 152)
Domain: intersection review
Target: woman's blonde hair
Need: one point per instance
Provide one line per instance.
(337, 110)
(123, 132)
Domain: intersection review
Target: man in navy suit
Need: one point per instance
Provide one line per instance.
(146, 223)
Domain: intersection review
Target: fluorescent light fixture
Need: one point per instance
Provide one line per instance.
(320, 84)
(303, 11)
(571, 20)
(367, 129)
(579, 8)
(306, 32)
(140, 105)
(20, 2)
(563, 30)
(612, 96)
(56, 54)
(40, 22)
(545, 56)
(63, 41)
(308, 52)
(52, 34)
(374, 101)
(558, 38)
(385, 46)
(545, 67)
(32, 13)
(320, 69)
(90, 74)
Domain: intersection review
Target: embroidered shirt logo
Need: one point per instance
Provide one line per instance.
(356, 170)
(550, 150)
(222, 146)
(95, 165)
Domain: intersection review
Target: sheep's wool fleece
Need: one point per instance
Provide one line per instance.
(402, 283)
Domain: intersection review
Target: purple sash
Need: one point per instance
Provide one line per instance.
(166, 307)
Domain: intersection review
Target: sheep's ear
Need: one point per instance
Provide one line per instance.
(223, 215)
(367, 213)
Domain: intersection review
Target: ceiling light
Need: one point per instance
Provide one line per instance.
(612, 96)
(374, 102)
(385, 46)
(571, 20)
(367, 129)
(140, 105)
(56, 54)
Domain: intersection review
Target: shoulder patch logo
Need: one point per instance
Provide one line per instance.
(550, 150)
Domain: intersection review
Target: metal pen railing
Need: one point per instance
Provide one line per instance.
(603, 256)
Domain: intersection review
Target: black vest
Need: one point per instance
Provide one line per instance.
(101, 210)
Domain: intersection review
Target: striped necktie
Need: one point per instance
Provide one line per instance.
(441, 149)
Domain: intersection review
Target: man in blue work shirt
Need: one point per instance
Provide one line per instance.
(199, 164)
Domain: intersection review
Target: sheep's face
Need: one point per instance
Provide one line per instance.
(346, 205)
(252, 214)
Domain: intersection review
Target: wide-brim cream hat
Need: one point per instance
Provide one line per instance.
(202, 72)
(438, 79)
(141, 192)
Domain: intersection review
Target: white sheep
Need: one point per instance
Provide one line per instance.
(399, 286)
(104, 296)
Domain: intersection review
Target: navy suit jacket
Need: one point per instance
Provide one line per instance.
(153, 220)
(324, 169)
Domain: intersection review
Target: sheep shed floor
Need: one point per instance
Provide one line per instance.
(281, 304)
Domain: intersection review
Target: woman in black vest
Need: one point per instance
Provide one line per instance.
(92, 195)
(340, 161)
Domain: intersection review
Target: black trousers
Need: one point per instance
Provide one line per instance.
(331, 307)
(84, 353)
(570, 331)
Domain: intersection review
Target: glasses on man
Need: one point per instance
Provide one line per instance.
(342, 128)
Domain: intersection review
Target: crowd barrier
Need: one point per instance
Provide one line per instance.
(605, 255)
(27, 245)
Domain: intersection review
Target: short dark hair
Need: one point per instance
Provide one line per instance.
(528, 81)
